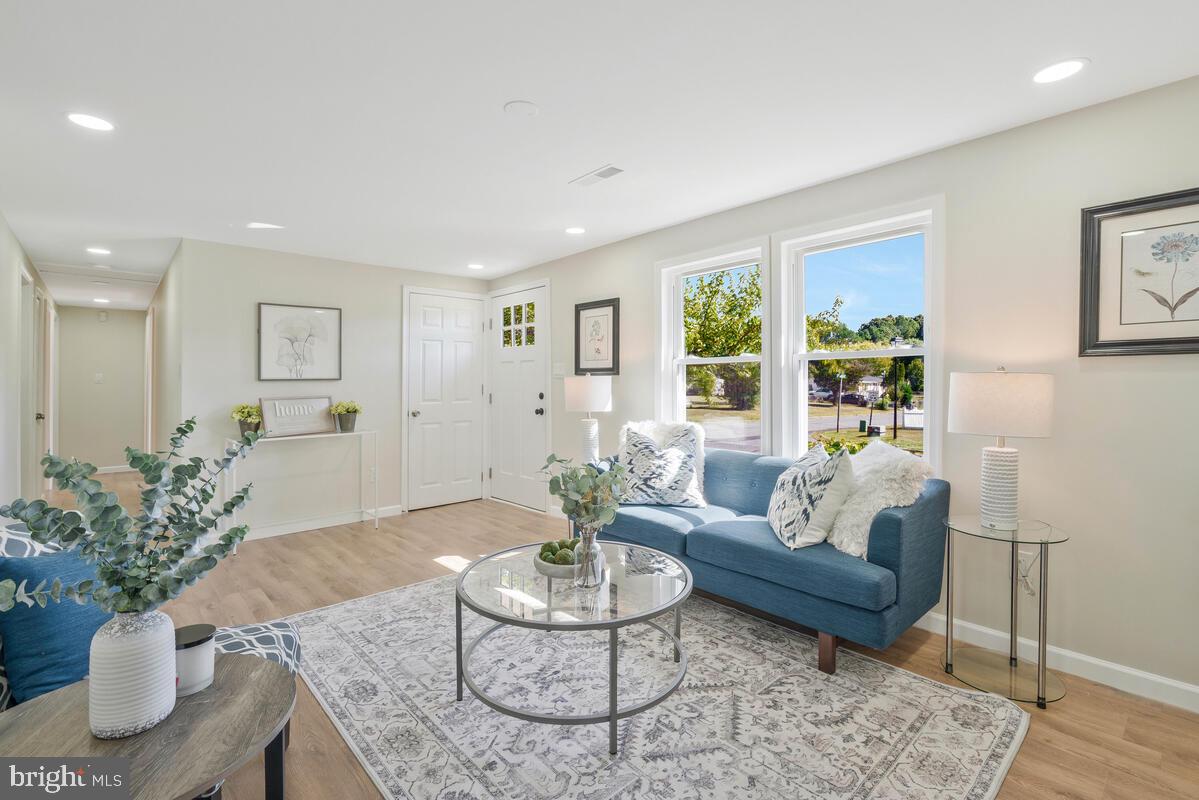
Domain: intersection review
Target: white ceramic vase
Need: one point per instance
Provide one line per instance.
(131, 674)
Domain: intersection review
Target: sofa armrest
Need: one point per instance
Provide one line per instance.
(911, 543)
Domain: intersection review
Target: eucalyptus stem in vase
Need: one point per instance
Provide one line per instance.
(590, 496)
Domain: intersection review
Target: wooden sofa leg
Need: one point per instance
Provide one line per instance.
(828, 653)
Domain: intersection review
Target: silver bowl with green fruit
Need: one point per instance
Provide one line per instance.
(557, 559)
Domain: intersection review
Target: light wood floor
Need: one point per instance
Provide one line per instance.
(1095, 743)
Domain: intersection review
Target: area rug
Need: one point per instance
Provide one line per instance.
(754, 718)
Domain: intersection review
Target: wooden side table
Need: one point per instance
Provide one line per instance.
(1005, 673)
(206, 738)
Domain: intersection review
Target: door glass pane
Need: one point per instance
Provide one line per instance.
(851, 402)
(725, 400)
(529, 312)
(507, 315)
(518, 314)
(507, 338)
(530, 335)
(866, 295)
(722, 313)
(516, 333)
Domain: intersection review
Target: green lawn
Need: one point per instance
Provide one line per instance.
(910, 440)
(701, 411)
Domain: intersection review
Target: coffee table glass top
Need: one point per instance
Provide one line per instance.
(1031, 531)
(640, 583)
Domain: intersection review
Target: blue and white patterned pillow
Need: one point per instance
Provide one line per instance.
(663, 475)
(807, 497)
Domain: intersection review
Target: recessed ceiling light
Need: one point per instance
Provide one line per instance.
(576, 231)
(263, 226)
(101, 266)
(99, 251)
(1060, 70)
(90, 122)
(474, 266)
(99, 300)
(521, 108)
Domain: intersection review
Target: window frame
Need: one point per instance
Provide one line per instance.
(671, 376)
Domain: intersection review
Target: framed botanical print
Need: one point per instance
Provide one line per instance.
(597, 337)
(1140, 276)
(298, 343)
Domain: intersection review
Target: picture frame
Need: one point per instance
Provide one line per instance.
(298, 343)
(597, 337)
(1140, 276)
(296, 416)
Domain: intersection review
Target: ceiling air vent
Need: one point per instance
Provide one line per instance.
(597, 175)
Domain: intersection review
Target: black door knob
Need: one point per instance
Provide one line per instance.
(541, 395)
(539, 411)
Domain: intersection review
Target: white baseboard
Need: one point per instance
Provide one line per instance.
(261, 531)
(1109, 673)
(117, 468)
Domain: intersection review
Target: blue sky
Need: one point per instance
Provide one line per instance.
(874, 279)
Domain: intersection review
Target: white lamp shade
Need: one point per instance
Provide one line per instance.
(1017, 404)
(589, 393)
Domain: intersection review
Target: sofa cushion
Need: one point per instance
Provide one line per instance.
(748, 545)
(663, 527)
(741, 481)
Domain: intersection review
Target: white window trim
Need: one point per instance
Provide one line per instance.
(789, 418)
(669, 389)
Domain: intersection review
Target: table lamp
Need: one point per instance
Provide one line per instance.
(588, 394)
(1000, 404)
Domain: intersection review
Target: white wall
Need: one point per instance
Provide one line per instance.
(166, 313)
(1119, 472)
(97, 421)
(216, 289)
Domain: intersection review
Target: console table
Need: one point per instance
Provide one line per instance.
(229, 483)
(1005, 673)
(207, 738)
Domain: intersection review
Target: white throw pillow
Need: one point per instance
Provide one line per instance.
(660, 475)
(663, 432)
(807, 497)
(887, 477)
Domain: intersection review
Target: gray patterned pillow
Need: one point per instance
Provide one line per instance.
(661, 476)
(807, 497)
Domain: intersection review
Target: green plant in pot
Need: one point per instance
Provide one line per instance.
(346, 412)
(590, 496)
(248, 416)
(141, 561)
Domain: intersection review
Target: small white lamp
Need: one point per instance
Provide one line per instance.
(1000, 404)
(588, 394)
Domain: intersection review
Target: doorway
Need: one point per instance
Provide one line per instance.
(443, 398)
(518, 347)
(35, 428)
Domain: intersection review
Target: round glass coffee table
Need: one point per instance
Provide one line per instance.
(639, 585)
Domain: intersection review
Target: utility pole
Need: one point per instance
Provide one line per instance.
(840, 391)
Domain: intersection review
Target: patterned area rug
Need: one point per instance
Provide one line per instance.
(754, 718)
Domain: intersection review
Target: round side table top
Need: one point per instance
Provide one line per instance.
(206, 738)
(1031, 531)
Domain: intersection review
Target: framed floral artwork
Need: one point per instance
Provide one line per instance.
(298, 343)
(1140, 276)
(597, 337)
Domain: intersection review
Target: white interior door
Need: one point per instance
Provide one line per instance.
(445, 400)
(520, 397)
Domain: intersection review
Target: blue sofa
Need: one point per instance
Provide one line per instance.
(733, 553)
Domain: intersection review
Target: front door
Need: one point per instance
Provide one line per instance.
(519, 343)
(445, 400)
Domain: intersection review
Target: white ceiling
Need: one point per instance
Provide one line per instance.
(373, 130)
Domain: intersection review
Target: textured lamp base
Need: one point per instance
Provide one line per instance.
(1000, 478)
(590, 440)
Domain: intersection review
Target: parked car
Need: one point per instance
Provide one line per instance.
(820, 395)
(853, 398)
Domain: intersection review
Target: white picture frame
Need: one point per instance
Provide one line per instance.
(296, 416)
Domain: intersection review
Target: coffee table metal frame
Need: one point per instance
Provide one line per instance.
(614, 713)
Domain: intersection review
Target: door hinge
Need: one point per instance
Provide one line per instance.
(489, 472)
(481, 387)
(491, 324)
(489, 398)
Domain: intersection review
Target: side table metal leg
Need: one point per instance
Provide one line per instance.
(274, 768)
(612, 646)
(1042, 625)
(678, 630)
(458, 642)
(1014, 634)
(949, 600)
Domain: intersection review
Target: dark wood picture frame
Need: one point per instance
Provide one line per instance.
(1089, 343)
(614, 303)
(258, 354)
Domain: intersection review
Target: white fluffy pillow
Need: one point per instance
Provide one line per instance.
(886, 477)
(663, 432)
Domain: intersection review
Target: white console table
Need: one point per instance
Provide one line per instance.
(230, 479)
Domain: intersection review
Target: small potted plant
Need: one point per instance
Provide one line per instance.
(590, 495)
(346, 412)
(248, 416)
(141, 560)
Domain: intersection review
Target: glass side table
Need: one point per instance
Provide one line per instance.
(1004, 673)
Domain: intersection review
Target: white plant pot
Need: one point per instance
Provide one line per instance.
(131, 685)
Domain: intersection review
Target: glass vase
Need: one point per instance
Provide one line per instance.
(589, 559)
